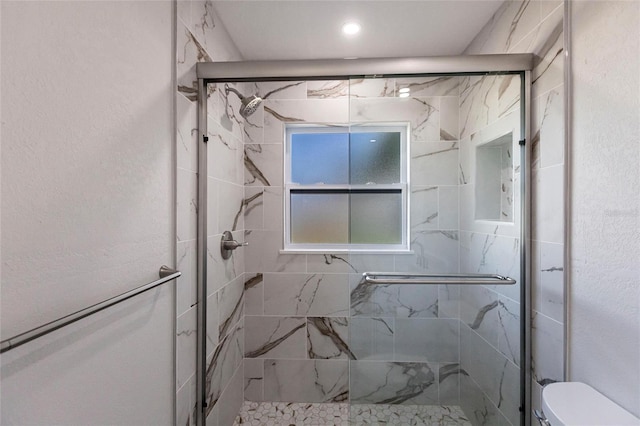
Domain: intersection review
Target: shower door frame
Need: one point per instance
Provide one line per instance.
(335, 69)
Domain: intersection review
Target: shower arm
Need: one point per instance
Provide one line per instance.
(228, 89)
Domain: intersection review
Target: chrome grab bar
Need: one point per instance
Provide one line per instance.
(409, 278)
(166, 274)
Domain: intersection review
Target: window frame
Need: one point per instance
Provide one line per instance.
(401, 187)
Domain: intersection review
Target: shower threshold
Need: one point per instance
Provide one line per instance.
(337, 414)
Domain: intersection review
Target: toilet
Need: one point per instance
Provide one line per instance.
(578, 404)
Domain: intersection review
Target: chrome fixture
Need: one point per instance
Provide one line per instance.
(228, 244)
(165, 273)
(398, 278)
(249, 104)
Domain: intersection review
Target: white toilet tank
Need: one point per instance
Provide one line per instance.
(578, 404)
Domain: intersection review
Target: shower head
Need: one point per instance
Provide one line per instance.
(249, 104)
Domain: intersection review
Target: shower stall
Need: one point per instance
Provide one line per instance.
(377, 239)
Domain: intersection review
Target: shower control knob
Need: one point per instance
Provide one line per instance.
(228, 244)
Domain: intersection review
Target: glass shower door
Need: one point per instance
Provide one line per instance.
(443, 353)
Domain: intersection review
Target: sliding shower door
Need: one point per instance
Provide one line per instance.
(414, 181)
(443, 353)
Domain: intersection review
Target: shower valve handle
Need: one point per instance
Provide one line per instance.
(228, 244)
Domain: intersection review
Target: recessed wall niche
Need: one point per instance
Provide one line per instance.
(494, 180)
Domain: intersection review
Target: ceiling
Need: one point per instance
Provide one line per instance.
(301, 29)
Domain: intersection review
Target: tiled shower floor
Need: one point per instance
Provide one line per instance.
(303, 414)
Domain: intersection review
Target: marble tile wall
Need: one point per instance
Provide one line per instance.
(519, 26)
(490, 315)
(200, 37)
(313, 331)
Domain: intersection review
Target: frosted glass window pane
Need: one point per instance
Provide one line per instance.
(376, 218)
(375, 157)
(319, 218)
(320, 157)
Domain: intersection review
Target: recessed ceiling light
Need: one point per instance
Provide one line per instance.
(404, 90)
(351, 28)
(404, 95)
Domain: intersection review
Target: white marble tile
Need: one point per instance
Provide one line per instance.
(328, 338)
(551, 116)
(210, 31)
(183, 11)
(275, 337)
(361, 262)
(424, 207)
(449, 384)
(305, 294)
(222, 365)
(186, 205)
(186, 285)
(230, 206)
(448, 207)
(498, 377)
(548, 204)
(327, 89)
(371, 338)
(550, 286)
(449, 118)
(273, 209)
(329, 262)
(230, 306)
(263, 254)
(231, 399)
(388, 300)
(372, 87)
(213, 188)
(253, 294)
(221, 271)
(430, 86)
(509, 331)
(280, 89)
(547, 7)
(281, 112)
(477, 406)
(548, 49)
(393, 382)
(448, 301)
(427, 340)
(491, 254)
(253, 126)
(423, 114)
(434, 163)
(511, 22)
(263, 164)
(187, 133)
(185, 403)
(468, 222)
(185, 347)
(306, 380)
(212, 316)
(189, 51)
(253, 207)
(547, 348)
(479, 308)
(253, 379)
(433, 251)
(485, 99)
(225, 154)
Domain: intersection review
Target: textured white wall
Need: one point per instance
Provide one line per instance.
(88, 209)
(605, 249)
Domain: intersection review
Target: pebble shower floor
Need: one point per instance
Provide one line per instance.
(304, 414)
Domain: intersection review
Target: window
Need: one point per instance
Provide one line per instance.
(346, 188)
